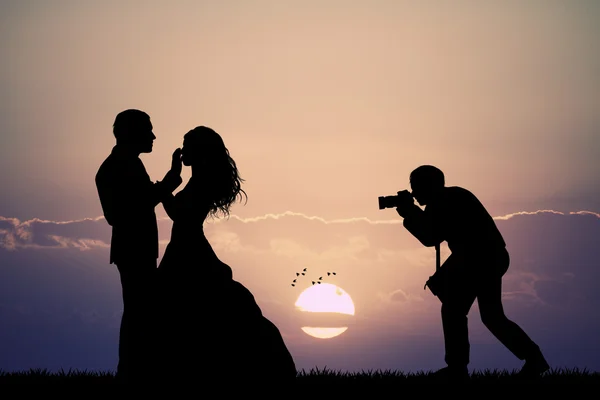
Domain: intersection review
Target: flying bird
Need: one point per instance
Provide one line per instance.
(304, 270)
(293, 284)
(313, 282)
(297, 274)
(319, 283)
(294, 281)
(303, 273)
(320, 278)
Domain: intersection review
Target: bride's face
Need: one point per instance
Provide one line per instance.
(187, 153)
(193, 153)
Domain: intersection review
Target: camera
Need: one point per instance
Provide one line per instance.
(395, 200)
(388, 201)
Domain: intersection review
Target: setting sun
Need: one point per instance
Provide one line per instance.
(325, 298)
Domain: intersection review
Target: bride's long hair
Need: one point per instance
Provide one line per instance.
(222, 182)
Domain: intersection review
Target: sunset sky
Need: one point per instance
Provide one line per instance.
(324, 105)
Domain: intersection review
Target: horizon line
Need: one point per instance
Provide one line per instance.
(275, 216)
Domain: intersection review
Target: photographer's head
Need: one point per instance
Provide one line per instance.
(426, 183)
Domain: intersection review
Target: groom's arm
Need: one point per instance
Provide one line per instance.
(163, 190)
(128, 190)
(145, 193)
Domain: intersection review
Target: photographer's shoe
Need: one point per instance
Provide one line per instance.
(452, 374)
(534, 366)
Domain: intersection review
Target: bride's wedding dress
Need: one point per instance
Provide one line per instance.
(209, 324)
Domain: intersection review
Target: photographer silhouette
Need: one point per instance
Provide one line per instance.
(474, 269)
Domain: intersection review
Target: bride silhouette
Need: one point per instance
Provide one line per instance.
(210, 325)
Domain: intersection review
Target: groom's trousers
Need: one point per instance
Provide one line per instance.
(135, 347)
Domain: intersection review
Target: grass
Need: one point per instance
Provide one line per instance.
(322, 377)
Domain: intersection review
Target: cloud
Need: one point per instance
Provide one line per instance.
(313, 218)
(300, 240)
(399, 296)
(508, 216)
(91, 232)
(36, 233)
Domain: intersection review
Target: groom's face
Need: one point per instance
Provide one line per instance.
(145, 137)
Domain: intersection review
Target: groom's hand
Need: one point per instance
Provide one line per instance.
(176, 163)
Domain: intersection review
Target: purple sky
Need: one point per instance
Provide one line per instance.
(60, 300)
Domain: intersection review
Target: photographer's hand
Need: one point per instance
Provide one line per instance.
(405, 203)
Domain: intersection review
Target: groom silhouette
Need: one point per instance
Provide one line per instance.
(128, 198)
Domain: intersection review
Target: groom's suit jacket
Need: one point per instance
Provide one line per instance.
(128, 198)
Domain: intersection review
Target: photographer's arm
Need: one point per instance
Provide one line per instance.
(420, 224)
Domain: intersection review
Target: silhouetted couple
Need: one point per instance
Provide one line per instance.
(188, 319)
(474, 269)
